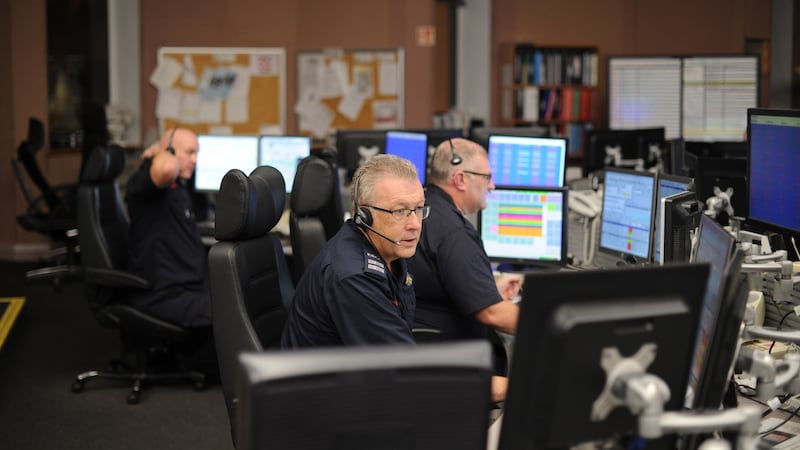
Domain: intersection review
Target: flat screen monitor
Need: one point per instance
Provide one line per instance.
(723, 178)
(481, 134)
(524, 161)
(431, 396)
(411, 146)
(283, 153)
(626, 220)
(611, 148)
(525, 226)
(356, 146)
(667, 185)
(218, 154)
(679, 219)
(717, 91)
(715, 247)
(774, 168)
(645, 92)
(676, 150)
(569, 322)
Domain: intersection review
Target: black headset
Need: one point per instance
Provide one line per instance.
(170, 148)
(363, 214)
(454, 158)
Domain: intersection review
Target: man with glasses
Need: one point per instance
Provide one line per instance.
(358, 290)
(457, 293)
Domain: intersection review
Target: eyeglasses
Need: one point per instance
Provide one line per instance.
(487, 176)
(402, 215)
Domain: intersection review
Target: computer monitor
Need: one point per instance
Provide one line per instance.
(676, 148)
(773, 168)
(525, 226)
(411, 146)
(524, 161)
(611, 148)
(569, 322)
(431, 396)
(481, 134)
(218, 154)
(645, 91)
(715, 247)
(717, 91)
(667, 185)
(356, 146)
(729, 176)
(626, 220)
(680, 217)
(283, 153)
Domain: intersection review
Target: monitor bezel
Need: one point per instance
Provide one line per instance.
(563, 155)
(760, 223)
(627, 256)
(658, 234)
(523, 263)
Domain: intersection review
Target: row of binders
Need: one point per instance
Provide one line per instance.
(555, 65)
(553, 104)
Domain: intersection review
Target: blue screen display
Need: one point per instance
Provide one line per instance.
(774, 158)
(666, 187)
(411, 146)
(521, 161)
(284, 153)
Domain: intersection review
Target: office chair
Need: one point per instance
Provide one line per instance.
(316, 212)
(103, 237)
(52, 213)
(251, 285)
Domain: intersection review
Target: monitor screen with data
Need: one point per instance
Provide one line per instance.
(219, 154)
(525, 225)
(626, 223)
(284, 153)
(524, 161)
(645, 92)
(717, 91)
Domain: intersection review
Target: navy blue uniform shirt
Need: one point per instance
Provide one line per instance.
(347, 296)
(165, 249)
(453, 275)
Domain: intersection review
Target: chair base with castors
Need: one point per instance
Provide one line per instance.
(139, 377)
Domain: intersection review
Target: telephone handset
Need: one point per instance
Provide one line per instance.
(587, 203)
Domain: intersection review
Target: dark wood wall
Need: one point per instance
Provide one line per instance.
(613, 26)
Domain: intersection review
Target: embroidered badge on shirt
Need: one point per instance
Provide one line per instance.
(409, 280)
(375, 264)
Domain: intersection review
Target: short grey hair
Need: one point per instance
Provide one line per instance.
(368, 174)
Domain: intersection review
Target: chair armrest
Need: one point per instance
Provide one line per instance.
(114, 278)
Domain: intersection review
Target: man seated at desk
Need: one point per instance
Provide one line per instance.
(358, 290)
(165, 246)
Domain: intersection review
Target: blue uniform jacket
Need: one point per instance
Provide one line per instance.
(348, 296)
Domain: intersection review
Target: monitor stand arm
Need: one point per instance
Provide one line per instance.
(628, 384)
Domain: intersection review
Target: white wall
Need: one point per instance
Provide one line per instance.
(124, 56)
(474, 58)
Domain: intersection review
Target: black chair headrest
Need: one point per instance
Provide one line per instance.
(105, 164)
(249, 207)
(312, 186)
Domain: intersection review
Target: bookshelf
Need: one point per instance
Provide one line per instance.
(552, 86)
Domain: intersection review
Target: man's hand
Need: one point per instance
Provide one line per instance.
(509, 285)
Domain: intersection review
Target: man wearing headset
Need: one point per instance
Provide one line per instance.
(457, 293)
(165, 246)
(358, 290)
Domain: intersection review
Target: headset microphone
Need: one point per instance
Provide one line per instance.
(397, 243)
(364, 217)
